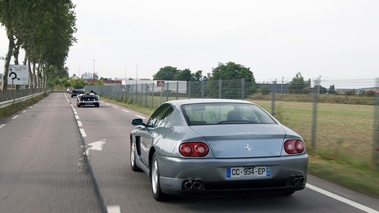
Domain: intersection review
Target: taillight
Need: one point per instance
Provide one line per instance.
(193, 149)
(294, 146)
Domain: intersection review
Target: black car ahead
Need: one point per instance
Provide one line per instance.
(76, 92)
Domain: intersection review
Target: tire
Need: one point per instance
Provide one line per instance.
(133, 164)
(97, 105)
(78, 105)
(154, 179)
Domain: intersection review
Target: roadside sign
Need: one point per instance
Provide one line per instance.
(160, 83)
(18, 75)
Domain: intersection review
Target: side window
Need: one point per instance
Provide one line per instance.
(158, 115)
(163, 119)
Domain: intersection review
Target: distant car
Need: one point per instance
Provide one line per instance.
(213, 146)
(88, 99)
(76, 92)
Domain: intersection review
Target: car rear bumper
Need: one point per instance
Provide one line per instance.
(89, 103)
(208, 176)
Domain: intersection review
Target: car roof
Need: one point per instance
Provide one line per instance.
(206, 100)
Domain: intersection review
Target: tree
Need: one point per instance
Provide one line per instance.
(184, 75)
(166, 73)
(198, 76)
(298, 85)
(44, 29)
(332, 89)
(232, 70)
(230, 74)
(264, 90)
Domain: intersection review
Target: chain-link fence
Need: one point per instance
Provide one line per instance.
(339, 120)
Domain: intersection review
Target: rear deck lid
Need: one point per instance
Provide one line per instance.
(244, 140)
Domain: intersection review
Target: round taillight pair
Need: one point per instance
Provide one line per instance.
(193, 149)
(294, 146)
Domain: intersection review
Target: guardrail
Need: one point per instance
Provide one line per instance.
(18, 100)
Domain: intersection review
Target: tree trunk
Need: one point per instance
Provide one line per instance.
(8, 61)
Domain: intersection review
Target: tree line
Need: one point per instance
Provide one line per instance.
(44, 29)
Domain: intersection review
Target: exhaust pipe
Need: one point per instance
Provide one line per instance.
(301, 181)
(197, 185)
(297, 180)
(192, 185)
(188, 185)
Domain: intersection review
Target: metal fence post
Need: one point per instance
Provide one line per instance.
(146, 89)
(219, 88)
(167, 91)
(375, 144)
(316, 90)
(177, 90)
(152, 95)
(243, 88)
(273, 99)
(202, 89)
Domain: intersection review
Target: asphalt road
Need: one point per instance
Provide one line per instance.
(44, 167)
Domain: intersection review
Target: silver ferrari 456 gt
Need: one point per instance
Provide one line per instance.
(215, 146)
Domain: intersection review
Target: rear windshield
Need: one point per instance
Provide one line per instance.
(225, 113)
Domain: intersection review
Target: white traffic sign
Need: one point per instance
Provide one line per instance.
(18, 75)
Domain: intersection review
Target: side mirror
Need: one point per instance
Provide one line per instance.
(137, 122)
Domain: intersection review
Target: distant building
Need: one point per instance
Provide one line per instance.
(90, 75)
(112, 82)
(75, 77)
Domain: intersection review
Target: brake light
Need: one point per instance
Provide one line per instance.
(294, 146)
(193, 149)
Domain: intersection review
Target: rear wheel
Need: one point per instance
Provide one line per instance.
(154, 178)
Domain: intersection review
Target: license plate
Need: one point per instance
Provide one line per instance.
(248, 171)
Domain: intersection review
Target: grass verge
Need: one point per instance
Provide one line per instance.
(14, 108)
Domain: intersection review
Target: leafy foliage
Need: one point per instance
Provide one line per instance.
(264, 90)
(232, 70)
(332, 89)
(44, 29)
(298, 85)
(227, 78)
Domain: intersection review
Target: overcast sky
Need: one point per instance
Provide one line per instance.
(334, 39)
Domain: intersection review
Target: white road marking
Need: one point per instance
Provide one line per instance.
(342, 199)
(113, 209)
(125, 110)
(115, 107)
(80, 124)
(76, 117)
(2, 125)
(24, 111)
(140, 116)
(83, 133)
(98, 146)
(15, 117)
(30, 107)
